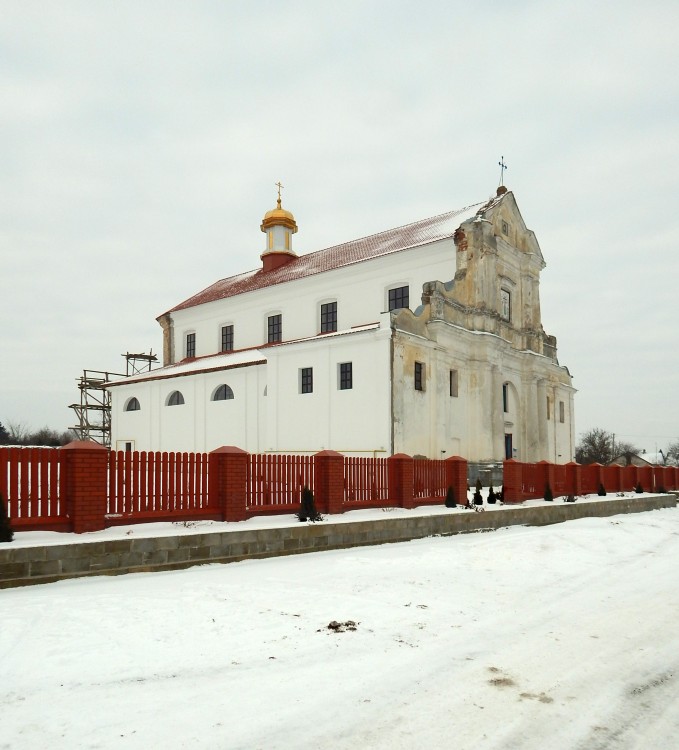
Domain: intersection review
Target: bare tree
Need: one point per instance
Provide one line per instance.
(672, 454)
(17, 432)
(595, 446)
(599, 446)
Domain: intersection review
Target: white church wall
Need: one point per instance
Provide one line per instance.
(199, 424)
(360, 291)
(474, 423)
(353, 421)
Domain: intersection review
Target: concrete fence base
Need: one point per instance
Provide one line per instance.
(20, 566)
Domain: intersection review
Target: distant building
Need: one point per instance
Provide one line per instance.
(634, 459)
(426, 339)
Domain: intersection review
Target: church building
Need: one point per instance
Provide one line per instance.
(426, 339)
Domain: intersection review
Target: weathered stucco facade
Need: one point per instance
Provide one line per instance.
(469, 371)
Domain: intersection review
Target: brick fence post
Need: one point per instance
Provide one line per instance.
(329, 482)
(456, 477)
(573, 478)
(599, 477)
(512, 481)
(228, 478)
(86, 485)
(401, 480)
(547, 476)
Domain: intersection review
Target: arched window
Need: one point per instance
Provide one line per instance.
(132, 404)
(222, 393)
(175, 399)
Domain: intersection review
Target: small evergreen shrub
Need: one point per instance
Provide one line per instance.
(661, 490)
(549, 495)
(501, 494)
(570, 499)
(478, 497)
(307, 511)
(639, 489)
(602, 490)
(6, 532)
(450, 498)
(492, 497)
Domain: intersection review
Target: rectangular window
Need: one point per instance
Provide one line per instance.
(227, 338)
(419, 376)
(562, 412)
(453, 383)
(275, 329)
(505, 397)
(399, 298)
(306, 380)
(329, 317)
(509, 449)
(505, 304)
(190, 345)
(346, 377)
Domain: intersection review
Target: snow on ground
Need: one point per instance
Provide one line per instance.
(145, 530)
(562, 636)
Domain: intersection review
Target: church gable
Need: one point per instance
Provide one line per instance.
(496, 284)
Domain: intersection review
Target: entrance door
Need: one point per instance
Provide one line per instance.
(509, 453)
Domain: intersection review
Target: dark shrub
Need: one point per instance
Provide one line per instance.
(307, 511)
(639, 488)
(549, 495)
(570, 499)
(602, 490)
(492, 497)
(450, 498)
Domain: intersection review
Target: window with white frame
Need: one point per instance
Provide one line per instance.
(175, 399)
(274, 329)
(227, 338)
(190, 345)
(222, 393)
(399, 297)
(329, 317)
(306, 380)
(132, 404)
(346, 376)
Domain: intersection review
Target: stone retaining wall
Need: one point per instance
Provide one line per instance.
(20, 566)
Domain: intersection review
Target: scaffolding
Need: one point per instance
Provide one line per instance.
(94, 410)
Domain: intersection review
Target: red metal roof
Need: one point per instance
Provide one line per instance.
(393, 240)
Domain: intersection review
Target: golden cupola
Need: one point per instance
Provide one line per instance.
(278, 225)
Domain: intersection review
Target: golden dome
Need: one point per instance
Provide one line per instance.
(279, 217)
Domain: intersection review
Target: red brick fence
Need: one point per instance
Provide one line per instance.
(529, 481)
(85, 487)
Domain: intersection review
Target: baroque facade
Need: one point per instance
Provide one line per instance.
(426, 340)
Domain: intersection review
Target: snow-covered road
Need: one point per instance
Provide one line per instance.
(564, 636)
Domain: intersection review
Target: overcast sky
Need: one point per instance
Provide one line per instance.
(140, 143)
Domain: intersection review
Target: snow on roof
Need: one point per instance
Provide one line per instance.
(222, 361)
(228, 360)
(412, 235)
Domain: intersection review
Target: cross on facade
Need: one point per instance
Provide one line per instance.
(502, 165)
